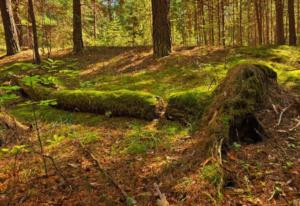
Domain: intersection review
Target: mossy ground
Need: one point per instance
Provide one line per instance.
(136, 152)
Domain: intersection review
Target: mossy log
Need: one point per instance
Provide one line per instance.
(232, 114)
(187, 106)
(113, 103)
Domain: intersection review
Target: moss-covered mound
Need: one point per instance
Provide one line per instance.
(187, 106)
(232, 114)
(112, 103)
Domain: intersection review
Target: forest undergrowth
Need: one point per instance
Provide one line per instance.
(143, 156)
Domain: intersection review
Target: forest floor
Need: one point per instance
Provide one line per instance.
(139, 153)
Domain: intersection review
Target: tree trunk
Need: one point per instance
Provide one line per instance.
(258, 12)
(37, 58)
(77, 27)
(292, 29)
(17, 18)
(161, 28)
(280, 40)
(11, 35)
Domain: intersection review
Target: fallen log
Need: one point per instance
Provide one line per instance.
(112, 103)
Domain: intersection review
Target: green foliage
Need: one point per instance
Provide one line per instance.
(57, 139)
(15, 150)
(90, 137)
(212, 173)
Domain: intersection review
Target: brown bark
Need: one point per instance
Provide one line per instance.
(77, 27)
(292, 29)
(280, 40)
(17, 18)
(11, 35)
(258, 12)
(37, 58)
(161, 28)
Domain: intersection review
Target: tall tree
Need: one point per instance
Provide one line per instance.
(11, 35)
(280, 40)
(17, 18)
(161, 28)
(77, 27)
(37, 58)
(292, 29)
(258, 12)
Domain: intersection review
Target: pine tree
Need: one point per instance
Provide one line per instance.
(11, 35)
(161, 28)
(77, 27)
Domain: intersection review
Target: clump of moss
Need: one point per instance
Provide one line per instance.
(187, 106)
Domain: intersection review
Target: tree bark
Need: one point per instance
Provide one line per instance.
(37, 58)
(161, 28)
(17, 18)
(292, 29)
(258, 8)
(280, 40)
(77, 27)
(11, 35)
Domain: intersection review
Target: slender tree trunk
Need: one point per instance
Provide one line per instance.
(17, 18)
(280, 40)
(161, 28)
(10, 30)
(37, 58)
(292, 29)
(94, 20)
(241, 22)
(257, 5)
(77, 27)
(223, 23)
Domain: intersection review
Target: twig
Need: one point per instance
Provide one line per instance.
(54, 165)
(39, 136)
(162, 201)
(99, 167)
(275, 109)
(295, 127)
(281, 114)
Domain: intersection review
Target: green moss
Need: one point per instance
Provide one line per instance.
(111, 103)
(116, 103)
(212, 173)
(188, 105)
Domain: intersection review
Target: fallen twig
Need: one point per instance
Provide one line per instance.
(162, 201)
(295, 127)
(59, 172)
(275, 109)
(129, 200)
(281, 114)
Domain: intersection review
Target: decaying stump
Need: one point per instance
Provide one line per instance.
(231, 117)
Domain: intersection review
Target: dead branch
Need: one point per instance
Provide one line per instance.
(275, 109)
(295, 127)
(58, 171)
(162, 201)
(87, 154)
(281, 115)
(11, 123)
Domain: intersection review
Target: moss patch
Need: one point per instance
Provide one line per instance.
(187, 106)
